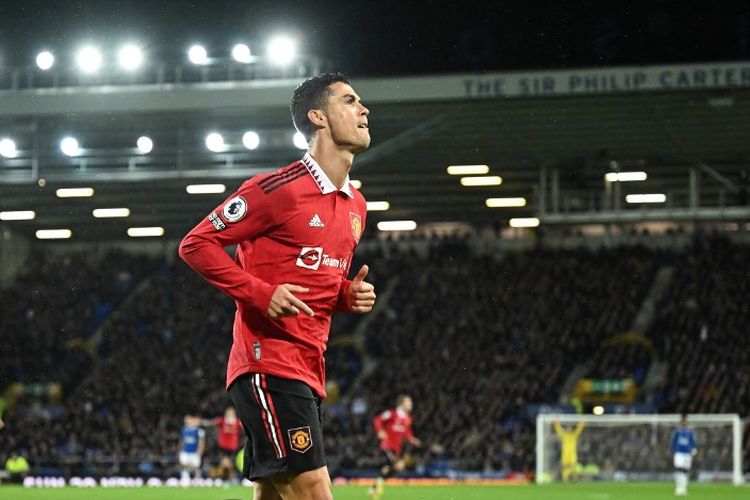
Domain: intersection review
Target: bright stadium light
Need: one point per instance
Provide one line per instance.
(198, 55)
(625, 176)
(250, 139)
(104, 213)
(84, 192)
(489, 180)
(89, 59)
(205, 188)
(215, 142)
(45, 60)
(69, 146)
(505, 202)
(357, 184)
(54, 234)
(145, 145)
(281, 50)
(142, 232)
(646, 198)
(468, 169)
(378, 206)
(299, 140)
(130, 57)
(241, 53)
(397, 225)
(7, 148)
(18, 215)
(524, 222)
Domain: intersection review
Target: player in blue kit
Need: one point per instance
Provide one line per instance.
(192, 445)
(683, 449)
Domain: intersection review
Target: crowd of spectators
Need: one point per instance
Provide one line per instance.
(473, 338)
(54, 305)
(701, 331)
(476, 339)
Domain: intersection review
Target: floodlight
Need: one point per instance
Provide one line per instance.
(69, 146)
(250, 139)
(45, 60)
(145, 144)
(197, 54)
(299, 140)
(281, 50)
(215, 142)
(241, 53)
(7, 148)
(130, 57)
(89, 59)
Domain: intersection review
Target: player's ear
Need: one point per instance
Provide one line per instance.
(317, 117)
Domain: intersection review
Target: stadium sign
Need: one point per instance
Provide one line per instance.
(275, 93)
(609, 80)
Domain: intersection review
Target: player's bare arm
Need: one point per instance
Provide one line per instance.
(360, 295)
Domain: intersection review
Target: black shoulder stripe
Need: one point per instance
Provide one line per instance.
(287, 181)
(280, 176)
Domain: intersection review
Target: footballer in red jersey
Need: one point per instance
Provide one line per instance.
(295, 230)
(393, 427)
(228, 431)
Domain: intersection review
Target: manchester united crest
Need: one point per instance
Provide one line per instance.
(356, 221)
(300, 439)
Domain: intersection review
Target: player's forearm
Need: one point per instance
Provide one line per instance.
(209, 260)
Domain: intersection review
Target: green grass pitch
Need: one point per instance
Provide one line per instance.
(580, 491)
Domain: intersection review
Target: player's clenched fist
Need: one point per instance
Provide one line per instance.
(360, 296)
(284, 303)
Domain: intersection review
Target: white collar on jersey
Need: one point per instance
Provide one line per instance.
(322, 180)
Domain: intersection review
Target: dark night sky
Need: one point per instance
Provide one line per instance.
(392, 38)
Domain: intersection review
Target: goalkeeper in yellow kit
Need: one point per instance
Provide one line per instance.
(568, 449)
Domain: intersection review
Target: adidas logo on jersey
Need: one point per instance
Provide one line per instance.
(316, 222)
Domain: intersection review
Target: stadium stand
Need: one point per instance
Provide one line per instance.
(474, 338)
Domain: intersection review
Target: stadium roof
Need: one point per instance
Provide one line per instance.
(561, 145)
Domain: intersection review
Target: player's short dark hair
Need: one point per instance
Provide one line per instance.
(313, 93)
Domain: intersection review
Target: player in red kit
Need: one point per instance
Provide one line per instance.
(228, 431)
(393, 427)
(295, 230)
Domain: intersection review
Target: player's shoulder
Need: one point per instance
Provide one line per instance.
(278, 181)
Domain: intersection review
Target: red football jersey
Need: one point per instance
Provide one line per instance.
(291, 226)
(228, 434)
(397, 426)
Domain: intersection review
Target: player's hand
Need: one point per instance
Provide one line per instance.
(360, 295)
(284, 303)
(417, 442)
(382, 435)
(694, 451)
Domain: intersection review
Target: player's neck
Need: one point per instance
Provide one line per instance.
(335, 162)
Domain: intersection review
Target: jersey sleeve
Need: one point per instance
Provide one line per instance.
(380, 421)
(341, 302)
(245, 215)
